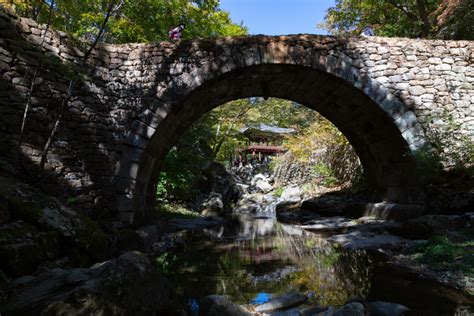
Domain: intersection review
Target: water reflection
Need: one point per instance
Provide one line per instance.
(269, 258)
(333, 274)
(250, 226)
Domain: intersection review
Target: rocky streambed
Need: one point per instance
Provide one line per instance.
(271, 255)
(264, 266)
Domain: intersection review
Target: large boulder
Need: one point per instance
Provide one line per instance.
(218, 305)
(282, 302)
(291, 194)
(424, 227)
(262, 184)
(47, 221)
(129, 284)
(367, 240)
(379, 308)
(213, 205)
(23, 248)
(290, 199)
(351, 309)
(326, 206)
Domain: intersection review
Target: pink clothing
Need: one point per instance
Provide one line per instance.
(175, 34)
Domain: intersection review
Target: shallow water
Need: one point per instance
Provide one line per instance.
(261, 258)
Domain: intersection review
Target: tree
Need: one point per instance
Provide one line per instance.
(456, 20)
(138, 21)
(405, 18)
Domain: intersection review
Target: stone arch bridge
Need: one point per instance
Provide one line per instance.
(132, 102)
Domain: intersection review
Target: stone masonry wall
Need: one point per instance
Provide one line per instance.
(121, 84)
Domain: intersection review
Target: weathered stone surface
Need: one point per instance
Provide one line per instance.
(351, 309)
(129, 284)
(217, 305)
(368, 241)
(282, 302)
(23, 248)
(291, 194)
(386, 309)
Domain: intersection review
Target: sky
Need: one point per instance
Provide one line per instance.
(278, 17)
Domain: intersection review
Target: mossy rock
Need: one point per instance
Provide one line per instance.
(29, 212)
(75, 228)
(23, 247)
(4, 211)
(91, 238)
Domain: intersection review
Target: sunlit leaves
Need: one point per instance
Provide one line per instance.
(136, 21)
(402, 18)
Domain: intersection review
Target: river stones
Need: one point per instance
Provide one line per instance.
(282, 302)
(218, 305)
(129, 284)
(366, 240)
(386, 309)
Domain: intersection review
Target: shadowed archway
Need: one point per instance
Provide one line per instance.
(376, 135)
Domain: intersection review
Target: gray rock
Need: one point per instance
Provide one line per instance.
(23, 248)
(350, 309)
(263, 186)
(275, 276)
(291, 194)
(323, 206)
(289, 312)
(219, 305)
(149, 235)
(312, 311)
(379, 308)
(177, 224)
(330, 223)
(128, 284)
(369, 241)
(282, 302)
(213, 205)
(261, 183)
(327, 312)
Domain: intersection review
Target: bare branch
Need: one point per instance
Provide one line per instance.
(30, 92)
(409, 14)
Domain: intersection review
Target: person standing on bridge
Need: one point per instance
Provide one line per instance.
(175, 33)
(367, 31)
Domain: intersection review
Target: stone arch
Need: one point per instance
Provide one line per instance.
(382, 130)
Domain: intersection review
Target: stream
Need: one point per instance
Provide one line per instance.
(254, 257)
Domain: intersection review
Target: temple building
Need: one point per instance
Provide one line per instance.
(262, 141)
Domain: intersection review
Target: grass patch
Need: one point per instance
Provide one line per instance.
(169, 211)
(279, 191)
(441, 254)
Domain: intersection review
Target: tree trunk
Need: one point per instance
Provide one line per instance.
(426, 28)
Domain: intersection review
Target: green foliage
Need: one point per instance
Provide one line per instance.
(326, 174)
(440, 253)
(406, 18)
(322, 144)
(216, 137)
(456, 20)
(135, 21)
(278, 191)
(181, 175)
(168, 211)
(165, 262)
(67, 69)
(449, 150)
(453, 149)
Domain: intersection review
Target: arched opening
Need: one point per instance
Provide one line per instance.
(376, 136)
